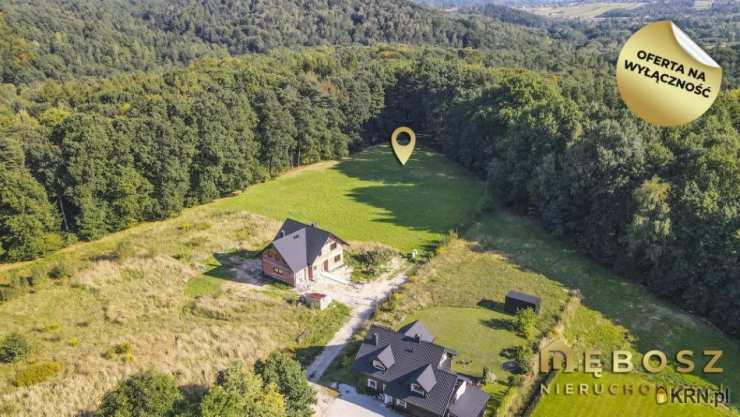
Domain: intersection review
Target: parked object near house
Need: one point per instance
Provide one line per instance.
(516, 301)
(300, 252)
(316, 300)
(412, 374)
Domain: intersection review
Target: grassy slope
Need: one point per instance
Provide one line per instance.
(372, 198)
(615, 313)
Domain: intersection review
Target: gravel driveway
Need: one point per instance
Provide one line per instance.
(362, 300)
(352, 404)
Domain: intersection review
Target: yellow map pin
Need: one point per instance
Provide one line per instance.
(403, 152)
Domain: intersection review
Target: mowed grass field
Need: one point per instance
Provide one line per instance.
(371, 197)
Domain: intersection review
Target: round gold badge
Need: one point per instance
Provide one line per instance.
(665, 78)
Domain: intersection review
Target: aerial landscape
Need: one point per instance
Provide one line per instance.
(203, 213)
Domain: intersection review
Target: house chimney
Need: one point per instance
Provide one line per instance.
(417, 338)
(376, 339)
(282, 233)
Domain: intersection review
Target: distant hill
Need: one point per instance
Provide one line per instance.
(61, 39)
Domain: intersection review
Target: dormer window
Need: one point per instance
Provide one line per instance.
(417, 389)
(378, 365)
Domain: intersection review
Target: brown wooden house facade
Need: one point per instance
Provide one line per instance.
(300, 252)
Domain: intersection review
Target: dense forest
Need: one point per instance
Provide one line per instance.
(63, 39)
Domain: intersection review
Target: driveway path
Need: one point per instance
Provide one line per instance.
(362, 300)
(352, 404)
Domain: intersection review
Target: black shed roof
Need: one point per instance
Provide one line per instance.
(523, 297)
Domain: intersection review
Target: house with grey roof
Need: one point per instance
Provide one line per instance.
(412, 374)
(300, 252)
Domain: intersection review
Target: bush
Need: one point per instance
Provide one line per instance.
(125, 249)
(121, 351)
(286, 373)
(522, 354)
(487, 377)
(64, 269)
(38, 276)
(14, 348)
(73, 341)
(516, 380)
(367, 264)
(238, 394)
(37, 373)
(8, 293)
(525, 323)
(150, 394)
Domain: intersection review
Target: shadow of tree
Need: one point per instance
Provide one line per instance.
(498, 324)
(228, 262)
(428, 194)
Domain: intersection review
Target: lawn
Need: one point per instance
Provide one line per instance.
(554, 405)
(370, 197)
(459, 295)
(478, 335)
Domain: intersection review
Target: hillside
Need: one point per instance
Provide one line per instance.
(62, 39)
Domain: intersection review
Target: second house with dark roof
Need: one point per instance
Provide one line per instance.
(300, 252)
(412, 374)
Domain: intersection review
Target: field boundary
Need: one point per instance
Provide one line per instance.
(521, 400)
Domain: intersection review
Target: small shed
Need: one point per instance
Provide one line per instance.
(516, 301)
(316, 300)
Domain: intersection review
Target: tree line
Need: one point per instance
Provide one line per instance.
(276, 387)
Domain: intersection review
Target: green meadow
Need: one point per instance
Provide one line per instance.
(371, 197)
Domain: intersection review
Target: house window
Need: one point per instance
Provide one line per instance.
(417, 389)
(337, 258)
(401, 404)
(378, 365)
(333, 245)
(277, 270)
(371, 383)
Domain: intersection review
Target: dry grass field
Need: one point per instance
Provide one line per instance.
(127, 309)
